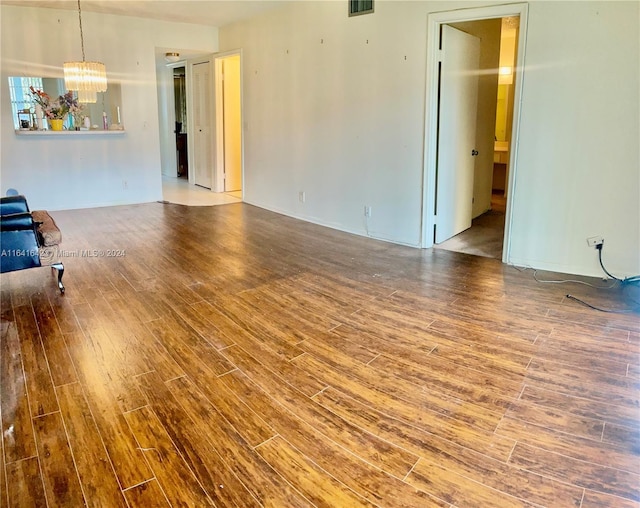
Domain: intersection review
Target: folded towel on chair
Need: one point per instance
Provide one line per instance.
(48, 232)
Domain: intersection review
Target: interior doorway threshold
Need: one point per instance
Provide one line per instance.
(178, 191)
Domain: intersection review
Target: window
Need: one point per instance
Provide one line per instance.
(357, 7)
(20, 96)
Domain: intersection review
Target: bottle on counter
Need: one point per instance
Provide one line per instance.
(105, 123)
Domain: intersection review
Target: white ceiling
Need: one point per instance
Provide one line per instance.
(203, 12)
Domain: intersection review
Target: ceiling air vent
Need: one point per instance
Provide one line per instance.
(357, 7)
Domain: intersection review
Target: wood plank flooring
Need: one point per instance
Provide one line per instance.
(230, 356)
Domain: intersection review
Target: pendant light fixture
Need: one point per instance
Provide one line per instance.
(85, 78)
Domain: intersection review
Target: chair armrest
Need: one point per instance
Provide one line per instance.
(17, 222)
(13, 204)
(19, 242)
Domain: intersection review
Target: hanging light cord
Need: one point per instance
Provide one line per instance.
(81, 34)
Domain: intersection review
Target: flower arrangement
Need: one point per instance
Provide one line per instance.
(56, 109)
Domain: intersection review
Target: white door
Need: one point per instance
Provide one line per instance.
(456, 132)
(232, 124)
(202, 121)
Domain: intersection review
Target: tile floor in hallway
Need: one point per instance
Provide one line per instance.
(179, 191)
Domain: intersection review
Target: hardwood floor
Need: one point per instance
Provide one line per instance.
(230, 356)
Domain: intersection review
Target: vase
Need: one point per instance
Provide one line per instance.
(56, 124)
(39, 117)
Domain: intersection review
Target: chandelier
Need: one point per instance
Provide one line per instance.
(85, 78)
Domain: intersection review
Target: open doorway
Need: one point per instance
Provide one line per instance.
(494, 118)
(180, 104)
(200, 112)
(510, 27)
(229, 163)
(475, 220)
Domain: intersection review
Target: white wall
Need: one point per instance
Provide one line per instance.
(578, 158)
(76, 171)
(335, 106)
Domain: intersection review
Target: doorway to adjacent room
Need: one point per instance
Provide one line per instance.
(468, 176)
(228, 90)
(180, 106)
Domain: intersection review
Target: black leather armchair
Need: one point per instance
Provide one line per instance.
(20, 240)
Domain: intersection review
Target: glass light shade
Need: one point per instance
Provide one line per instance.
(85, 76)
(172, 57)
(87, 97)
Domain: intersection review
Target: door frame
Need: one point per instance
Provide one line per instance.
(218, 173)
(434, 22)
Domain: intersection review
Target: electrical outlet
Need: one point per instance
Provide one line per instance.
(302, 196)
(594, 241)
(367, 211)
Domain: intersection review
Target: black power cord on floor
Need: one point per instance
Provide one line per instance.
(571, 297)
(613, 311)
(625, 283)
(626, 280)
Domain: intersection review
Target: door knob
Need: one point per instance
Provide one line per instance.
(474, 153)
